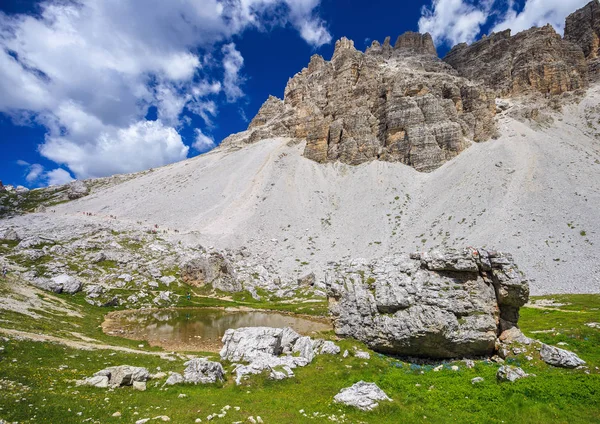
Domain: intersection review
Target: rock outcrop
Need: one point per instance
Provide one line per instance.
(560, 357)
(583, 28)
(77, 189)
(416, 43)
(276, 350)
(397, 104)
(62, 283)
(362, 395)
(203, 371)
(122, 375)
(510, 373)
(437, 305)
(211, 268)
(534, 61)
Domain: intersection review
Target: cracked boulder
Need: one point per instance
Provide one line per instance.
(436, 305)
(276, 350)
(560, 357)
(122, 375)
(362, 395)
(211, 268)
(203, 371)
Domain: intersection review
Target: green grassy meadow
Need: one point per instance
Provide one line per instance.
(37, 379)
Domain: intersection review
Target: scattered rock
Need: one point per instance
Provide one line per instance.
(174, 378)
(260, 347)
(361, 354)
(123, 375)
(560, 357)
(100, 382)
(510, 373)
(139, 385)
(477, 380)
(330, 348)
(59, 284)
(362, 395)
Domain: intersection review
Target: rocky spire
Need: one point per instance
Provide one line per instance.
(583, 28)
(417, 43)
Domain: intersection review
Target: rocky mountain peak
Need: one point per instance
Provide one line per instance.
(402, 103)
(397, 104)
(415, 42)
(583, 28)
(534, 61)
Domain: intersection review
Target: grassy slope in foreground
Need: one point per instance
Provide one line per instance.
(37, 382)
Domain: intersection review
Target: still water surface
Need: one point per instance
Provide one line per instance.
(199, 329)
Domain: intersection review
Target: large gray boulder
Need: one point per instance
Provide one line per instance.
(11, 235)
(58, 284)
(69, 284)
(203, 371)
(243, 344)
(211, 268)
(362, 395)
(77, 189)
(276, 350)
(560, 357)
(124, 375)
(439, 304)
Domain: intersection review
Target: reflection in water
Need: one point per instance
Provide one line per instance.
(200, 329)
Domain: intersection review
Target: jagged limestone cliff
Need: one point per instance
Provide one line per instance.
(583, 28)
(398, 104)
(533, 61)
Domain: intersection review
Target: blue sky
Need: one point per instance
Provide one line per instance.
(109, 86)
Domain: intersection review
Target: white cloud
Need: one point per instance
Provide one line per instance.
(58, 176)
(539, 13)
(203, 143)
(89, 70)
(454, 21)
(34, 172)
(232, 64)
(37, 175)
(142, 145)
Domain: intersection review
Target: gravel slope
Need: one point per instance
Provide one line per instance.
(535, 193)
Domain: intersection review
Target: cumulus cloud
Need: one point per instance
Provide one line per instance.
(34, 172)
(454, 21)
(90, 70)
(538, 13)
(58, 176)
(203, 143)
(141, 145)
(232, 64)
(36, 175)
